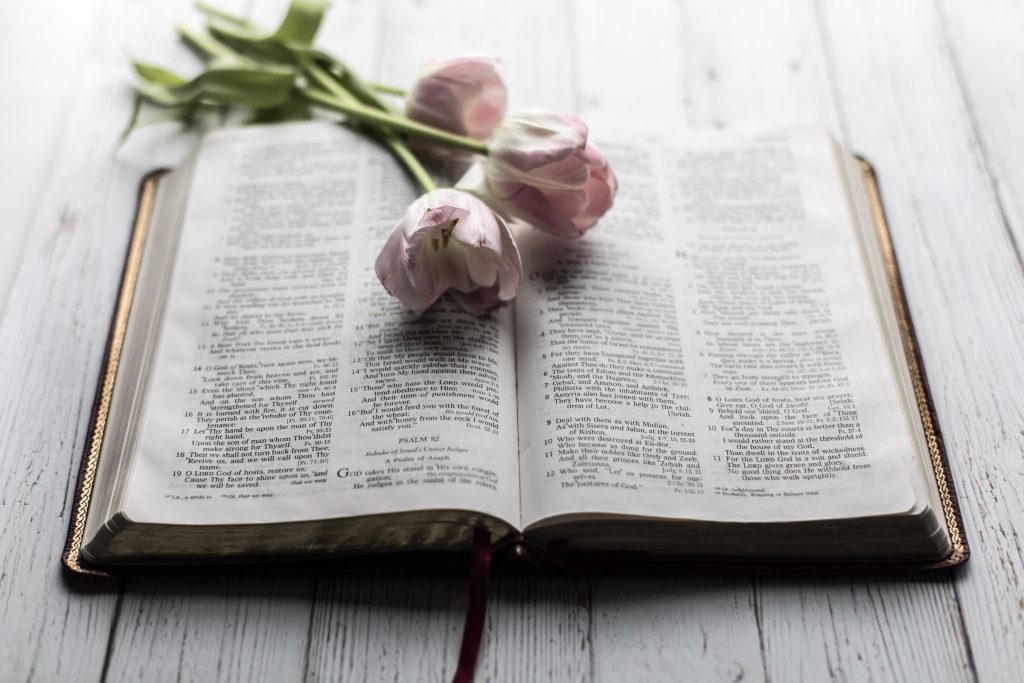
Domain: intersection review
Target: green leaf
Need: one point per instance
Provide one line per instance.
(133, 118)
(208, 46)
(349, 80)
(301, 22)
(293, 110)
(247, 41)
(298, 29)
(216, 13)
(259, 88)
(157, 75)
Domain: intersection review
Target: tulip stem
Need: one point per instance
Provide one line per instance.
(412, 164)
(388, 89)
(364, 114)
(217, 13)
(209, 46)
(324, 79)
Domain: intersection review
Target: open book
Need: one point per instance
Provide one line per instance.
(723, 369)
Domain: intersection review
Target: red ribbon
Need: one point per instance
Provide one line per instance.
(476, 610)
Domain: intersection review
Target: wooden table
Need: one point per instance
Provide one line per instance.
(931, 92)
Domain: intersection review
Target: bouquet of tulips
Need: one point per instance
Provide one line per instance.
(534, 166)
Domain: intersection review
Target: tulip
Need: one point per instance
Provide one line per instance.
(540, 168)
(465, 96)
(450, 240)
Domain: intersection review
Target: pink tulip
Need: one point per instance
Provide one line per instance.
(464, 95)
(541, 168)
(450, 240)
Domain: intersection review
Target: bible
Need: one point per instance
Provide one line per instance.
(723, 371)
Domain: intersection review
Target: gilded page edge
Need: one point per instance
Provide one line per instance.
(80, 509)
(929, 421)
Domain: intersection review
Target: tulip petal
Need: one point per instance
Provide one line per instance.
(486, 113)
(482, 266)
(600, 195)
(534, 139)
(394, 275)
(478, 228)
(480, 301)
(465, 95)
(534, 207)
(541, 168)
(450, 240)
(510, 269)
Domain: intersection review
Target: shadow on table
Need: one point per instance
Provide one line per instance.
(393, 583)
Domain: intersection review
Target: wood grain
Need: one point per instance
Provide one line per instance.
(965, 286)
(986, 54)
(52, 340)
(224, 630)
(744, 65)
(931, 94)
(414, 630)
(41, 98)
(658, 627)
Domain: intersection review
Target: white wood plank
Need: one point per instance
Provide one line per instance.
(402, 628)
(386, 628)
(225, 630)
(536, 626)
(230, 630)
(530, 37)
(367, 627)
(55, 334)
(53, 337)
(984, 42)
(905, 107)
(628, 63)
(539, 628)
(411, 624)
(656, 628)
(37, 101)
(665, 628)
(871, 629)
(765, 64)
(749, 64)
(899, 101)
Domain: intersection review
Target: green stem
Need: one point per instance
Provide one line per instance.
(211, 11)
(340, 98)
(388, 89)
(363, 91)
(208, 45)
(397, 147)
(322, 78)
(364, 114)
(133, 120)
(412, 164)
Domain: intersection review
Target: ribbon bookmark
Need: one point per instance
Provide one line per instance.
(476, 610)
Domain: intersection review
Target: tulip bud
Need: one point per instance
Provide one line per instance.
(450, 240)
(540, 168)
(465, 96)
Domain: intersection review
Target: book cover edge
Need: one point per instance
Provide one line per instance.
(929, 420)
(71, 557)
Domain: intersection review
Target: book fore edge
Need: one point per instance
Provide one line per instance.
(936, 450)
(83, 495)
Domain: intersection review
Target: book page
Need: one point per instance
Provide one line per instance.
(288, 384)
(710, 350)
